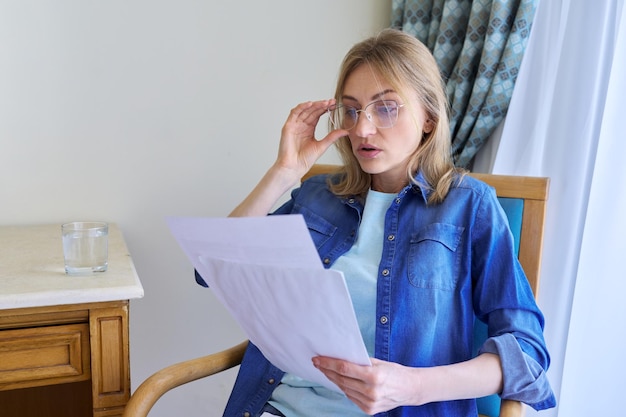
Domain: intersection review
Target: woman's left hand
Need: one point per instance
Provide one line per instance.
(374, 389)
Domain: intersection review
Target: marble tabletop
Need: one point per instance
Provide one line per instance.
(32, 273)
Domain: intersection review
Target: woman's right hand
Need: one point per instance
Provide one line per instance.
(297, 152)
(299, 149)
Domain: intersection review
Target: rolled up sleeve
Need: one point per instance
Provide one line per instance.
(525, 379)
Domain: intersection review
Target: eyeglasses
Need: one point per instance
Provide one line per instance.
(382, 113)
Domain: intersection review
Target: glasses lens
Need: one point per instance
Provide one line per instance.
(342, 117)
(383, 113)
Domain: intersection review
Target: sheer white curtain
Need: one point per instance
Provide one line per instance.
(564, 123)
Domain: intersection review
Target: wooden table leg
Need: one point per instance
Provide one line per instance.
(110, 370)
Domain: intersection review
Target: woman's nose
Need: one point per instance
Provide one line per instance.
(364, 127)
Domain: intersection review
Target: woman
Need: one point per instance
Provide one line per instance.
(423, 249)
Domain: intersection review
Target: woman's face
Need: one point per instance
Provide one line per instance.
(383, 152)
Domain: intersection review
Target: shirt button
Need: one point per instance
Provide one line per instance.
(246, 414)
(391, 237)
(385, 272)
(326, 261)
(351, 201)
(271, 381)
(384, 320)
(398, 200)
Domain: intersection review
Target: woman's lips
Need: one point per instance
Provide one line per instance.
(366, 151)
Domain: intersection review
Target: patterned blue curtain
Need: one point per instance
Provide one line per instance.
(479, 47)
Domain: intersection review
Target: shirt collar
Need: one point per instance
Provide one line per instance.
(420, 186)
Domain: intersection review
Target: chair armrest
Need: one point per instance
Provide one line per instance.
(510, 408)
(166, 379)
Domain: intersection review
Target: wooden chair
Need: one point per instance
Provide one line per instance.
(524, 200)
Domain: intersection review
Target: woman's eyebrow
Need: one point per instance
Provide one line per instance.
(382, 93)
(373, 98)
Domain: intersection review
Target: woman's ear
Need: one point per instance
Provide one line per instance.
(429, 125)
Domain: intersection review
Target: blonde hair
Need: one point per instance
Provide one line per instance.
(406, 64)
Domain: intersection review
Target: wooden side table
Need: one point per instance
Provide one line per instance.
(64, 340)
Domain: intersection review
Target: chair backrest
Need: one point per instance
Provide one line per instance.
(524, 202)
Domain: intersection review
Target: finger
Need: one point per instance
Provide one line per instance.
(326, 142)
(356, 390)
(347, 384)
(338, 369)
(311, 111)
(361, 400)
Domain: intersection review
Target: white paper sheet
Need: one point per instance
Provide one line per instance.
(267, 273)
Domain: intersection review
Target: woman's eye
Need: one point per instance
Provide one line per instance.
(386, 108)
(350, 112)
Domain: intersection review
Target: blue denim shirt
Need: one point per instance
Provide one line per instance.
(442, 265)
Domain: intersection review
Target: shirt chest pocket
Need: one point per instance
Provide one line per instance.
(433, 258)
(321, 230)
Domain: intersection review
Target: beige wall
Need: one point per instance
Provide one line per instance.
(129, 111)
